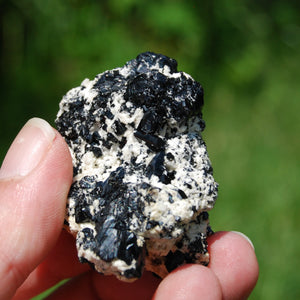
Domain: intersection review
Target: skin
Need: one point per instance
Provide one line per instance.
(37, 253)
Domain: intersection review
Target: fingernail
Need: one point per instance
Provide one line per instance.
(246, 238)
(27, 150)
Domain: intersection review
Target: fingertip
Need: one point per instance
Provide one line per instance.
(28, 149)
(245, 237)
(189, 282)
(233, 260)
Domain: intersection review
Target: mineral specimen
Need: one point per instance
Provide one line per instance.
(142, 178)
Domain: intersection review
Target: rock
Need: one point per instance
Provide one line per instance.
(143, 181)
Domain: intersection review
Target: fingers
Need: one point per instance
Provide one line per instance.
(34, 181)
(233, 260)
(191, 282)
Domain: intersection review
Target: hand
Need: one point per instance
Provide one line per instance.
(35, 253)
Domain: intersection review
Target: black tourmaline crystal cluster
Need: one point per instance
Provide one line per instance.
(142, 178)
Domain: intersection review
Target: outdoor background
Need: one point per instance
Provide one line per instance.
(244, 53)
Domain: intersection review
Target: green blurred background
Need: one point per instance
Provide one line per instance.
(245, 54)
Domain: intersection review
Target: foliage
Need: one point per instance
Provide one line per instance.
(244, 53)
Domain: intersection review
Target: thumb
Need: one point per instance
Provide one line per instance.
(35, 177)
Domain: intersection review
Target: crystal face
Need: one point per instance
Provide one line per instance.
(143, 181)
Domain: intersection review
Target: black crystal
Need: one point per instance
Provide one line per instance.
(155, 143)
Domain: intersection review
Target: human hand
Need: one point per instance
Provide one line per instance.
(35, 253)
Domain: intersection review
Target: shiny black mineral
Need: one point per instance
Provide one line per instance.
(142, 178)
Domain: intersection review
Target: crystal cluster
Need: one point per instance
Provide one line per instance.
(142, 178)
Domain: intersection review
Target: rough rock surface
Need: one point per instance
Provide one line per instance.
(142, 178)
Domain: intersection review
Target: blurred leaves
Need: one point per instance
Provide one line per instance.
(244, 53)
